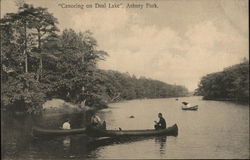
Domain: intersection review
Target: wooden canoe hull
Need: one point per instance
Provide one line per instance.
(170, 131)
(37, 131)
(41, 132)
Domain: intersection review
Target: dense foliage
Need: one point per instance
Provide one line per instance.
(39, 63)
(230, 84)
(117, 86)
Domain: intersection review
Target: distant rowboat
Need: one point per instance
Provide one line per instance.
(193, 108)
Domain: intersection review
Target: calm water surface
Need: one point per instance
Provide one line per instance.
(216, 130)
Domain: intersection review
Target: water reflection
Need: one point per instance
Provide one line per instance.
(16, 133)
(75, 146)
(66, 142)
(162, 141)
(61, 147)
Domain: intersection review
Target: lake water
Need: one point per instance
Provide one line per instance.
(217, 130)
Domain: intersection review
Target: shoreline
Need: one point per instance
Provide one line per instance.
(95, 109)
(226, 100)
(152, 98)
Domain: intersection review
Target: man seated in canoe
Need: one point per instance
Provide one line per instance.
(161, 124)
(96, 122)
(186, 105)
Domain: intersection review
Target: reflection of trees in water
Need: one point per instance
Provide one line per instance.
(75, 146)
(81, 146)
(122, 140)
(61, 147)
(161, 140)
(15, 134)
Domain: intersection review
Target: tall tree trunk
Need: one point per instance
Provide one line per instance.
(41, 66)
(25, 48)
(39, 76)
(26, 62)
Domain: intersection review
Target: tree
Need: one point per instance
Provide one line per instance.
(14, 36)
(44, 23)
(230, 84)
(17, 42)
(76, 66)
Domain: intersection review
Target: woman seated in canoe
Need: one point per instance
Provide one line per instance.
(96, 122)
(161, 124)
(66, 124)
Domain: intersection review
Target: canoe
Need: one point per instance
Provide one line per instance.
(193, 108)
(37, 131)
(170, 131)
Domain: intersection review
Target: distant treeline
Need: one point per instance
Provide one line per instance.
(39, 63)
(231, 84)
(124, 86)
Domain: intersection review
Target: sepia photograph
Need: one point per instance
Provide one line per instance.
(124, 79)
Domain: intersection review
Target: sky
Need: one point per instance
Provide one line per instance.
(177, 43)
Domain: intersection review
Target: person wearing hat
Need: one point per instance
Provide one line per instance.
(96, 122)
(161, 124)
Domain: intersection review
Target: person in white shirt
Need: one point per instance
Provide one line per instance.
(66, 125)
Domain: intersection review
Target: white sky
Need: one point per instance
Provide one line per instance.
(179, 42)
